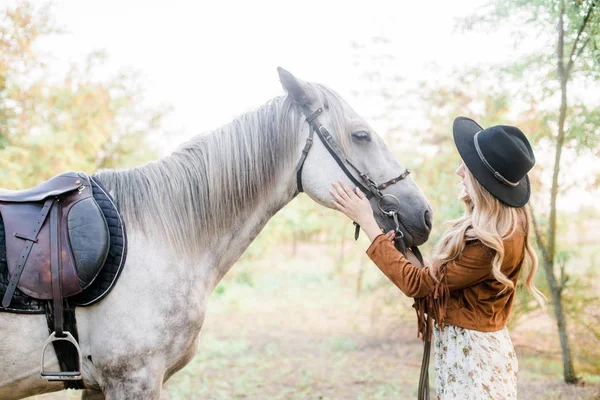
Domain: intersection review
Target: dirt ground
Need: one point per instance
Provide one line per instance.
(294, 327)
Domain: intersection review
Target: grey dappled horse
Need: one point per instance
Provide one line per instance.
(189, 217)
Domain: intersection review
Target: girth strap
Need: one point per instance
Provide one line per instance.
(29, 242)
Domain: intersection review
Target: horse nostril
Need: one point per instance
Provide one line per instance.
(428, 219)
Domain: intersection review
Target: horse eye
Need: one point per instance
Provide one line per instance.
(361, 136)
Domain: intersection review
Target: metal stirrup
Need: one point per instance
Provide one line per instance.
(60, 375)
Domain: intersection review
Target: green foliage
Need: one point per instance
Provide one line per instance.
(584, 132)
(76, 122)
(571, 61)
(49, 125)
(525, 93)
(436, 163)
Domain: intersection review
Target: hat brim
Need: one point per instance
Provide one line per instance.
(464, 130)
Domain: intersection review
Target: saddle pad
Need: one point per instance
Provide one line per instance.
(106, 279)
(117, 252)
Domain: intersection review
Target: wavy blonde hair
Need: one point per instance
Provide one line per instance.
(490, 221)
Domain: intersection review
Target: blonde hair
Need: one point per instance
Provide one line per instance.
(490, 221)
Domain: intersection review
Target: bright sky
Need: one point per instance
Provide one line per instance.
(212, 60)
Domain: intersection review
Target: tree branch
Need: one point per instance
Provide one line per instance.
(560, 138)
(560, 45)
(581, 29)
(587, 40)
(538, 237)
(563, 276)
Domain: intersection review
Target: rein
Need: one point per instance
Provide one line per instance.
(370, 188)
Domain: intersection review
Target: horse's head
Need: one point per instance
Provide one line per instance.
(344, 147)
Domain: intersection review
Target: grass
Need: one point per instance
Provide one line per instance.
(285, 327)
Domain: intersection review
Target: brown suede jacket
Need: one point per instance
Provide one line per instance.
(467, 295)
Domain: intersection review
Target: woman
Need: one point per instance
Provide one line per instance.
(469, 288)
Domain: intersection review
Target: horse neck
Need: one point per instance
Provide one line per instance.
(228, 246)
(213, 195)
(236, 231)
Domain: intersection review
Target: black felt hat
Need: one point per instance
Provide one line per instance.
(499, 157)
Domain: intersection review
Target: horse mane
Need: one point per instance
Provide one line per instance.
(210, 181)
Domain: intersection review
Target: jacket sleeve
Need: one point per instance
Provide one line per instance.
(474, 265)
(413, 281)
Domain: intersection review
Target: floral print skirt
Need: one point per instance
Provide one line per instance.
(474, 365)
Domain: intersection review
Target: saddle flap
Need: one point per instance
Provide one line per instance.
(22, 218)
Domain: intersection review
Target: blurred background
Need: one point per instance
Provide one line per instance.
(304, 314)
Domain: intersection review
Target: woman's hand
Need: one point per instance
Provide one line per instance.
(356, 206)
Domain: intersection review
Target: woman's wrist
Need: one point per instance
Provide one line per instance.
(371, 229)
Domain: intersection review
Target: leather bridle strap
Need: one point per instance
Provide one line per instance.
(332, 148)
(423, 393)
(306, 149)
(394, 180)
(371, 188)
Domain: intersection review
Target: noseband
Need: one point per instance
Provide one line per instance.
(368, 186)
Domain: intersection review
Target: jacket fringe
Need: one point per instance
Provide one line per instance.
(434, 305)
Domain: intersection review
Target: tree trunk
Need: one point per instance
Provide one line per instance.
(561, 321)
(561, 324)
(555, 287)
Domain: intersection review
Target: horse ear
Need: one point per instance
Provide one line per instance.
(296, 88)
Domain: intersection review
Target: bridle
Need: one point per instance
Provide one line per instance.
(370, 189)
(367, 186)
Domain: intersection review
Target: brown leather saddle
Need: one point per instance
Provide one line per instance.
(57, 241)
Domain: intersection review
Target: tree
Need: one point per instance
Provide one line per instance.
(49, 125)
(575, 58)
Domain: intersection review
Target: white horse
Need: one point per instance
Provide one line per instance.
(189, 217)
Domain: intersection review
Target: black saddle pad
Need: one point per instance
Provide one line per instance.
(105, 280)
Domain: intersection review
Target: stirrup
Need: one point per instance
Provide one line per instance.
(61, 375)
